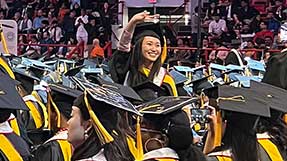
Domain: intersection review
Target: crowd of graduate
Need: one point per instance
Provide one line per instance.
(132, 108)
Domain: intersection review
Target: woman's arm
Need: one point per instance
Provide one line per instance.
(126, 37)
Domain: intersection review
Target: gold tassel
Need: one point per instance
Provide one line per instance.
(285, 118)
(164, 51)
(102, 133)
(7, 68)
(3, 40)
(49, 112)
(140, 153)
(50, 101)
(218, 130)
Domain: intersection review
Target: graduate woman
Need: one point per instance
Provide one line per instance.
(142, 63)
(94, 127)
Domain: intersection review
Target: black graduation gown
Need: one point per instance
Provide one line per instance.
(48, 151)
(120, 66)
(19, 144)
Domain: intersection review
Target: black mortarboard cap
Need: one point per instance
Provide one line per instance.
(107, 96)
(26, 78)
(242, 100)
(166, 115)
(275, 96)
(125, 91)
(165, 105)
(200, 84)
(74, 71)
(148, 29)
(64, 97)
(149, 91)
(9, 97)
(178, 77)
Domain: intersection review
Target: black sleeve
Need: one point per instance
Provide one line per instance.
(119, 66)
(47, 152)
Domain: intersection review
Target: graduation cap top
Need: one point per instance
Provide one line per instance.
(125, 91)
(98, 101)
(106, 95)
(148, 29)
(200, 84)
(26, 78)
(178, 77)
(64, 97)
(242, 100)
(275, 96)
(9, 97)
(165, 105)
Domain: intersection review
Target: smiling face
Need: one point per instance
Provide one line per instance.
(151, 49)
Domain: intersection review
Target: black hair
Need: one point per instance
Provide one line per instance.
(5, 114)
(111, 118)
(240, 137)
(276, 128)
(137, 62)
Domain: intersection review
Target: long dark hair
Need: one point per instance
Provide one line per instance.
(110, 118)
(240, 137)
(277, 129)
(137, 61)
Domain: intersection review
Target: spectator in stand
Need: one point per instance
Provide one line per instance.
(194, 26)
(46, 40)
(77, 9)
(245, 13)
(61, 51)
(37, 23)
(106, 15)
(218, 56)
(69, 27)
(73, 2)
(249, 53)
(63, 12)
(227, 10)
(33, 49)
(268, 42)
(55, 32)
(217, 27)
(273, 23)
(44, 28)
(92, 30)
(264, 32)
(51, 17)
(212, 9)
(278, 9)
(98, 51)
(17, 17)
(81, 21)
(255, 24)
(25, 25)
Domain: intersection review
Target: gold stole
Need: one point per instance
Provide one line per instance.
(14, 125)
(167, 79)
(271, 149)
(66, 149)
(8, 149)
(223, 158)
(7, 68)
(35, 114)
